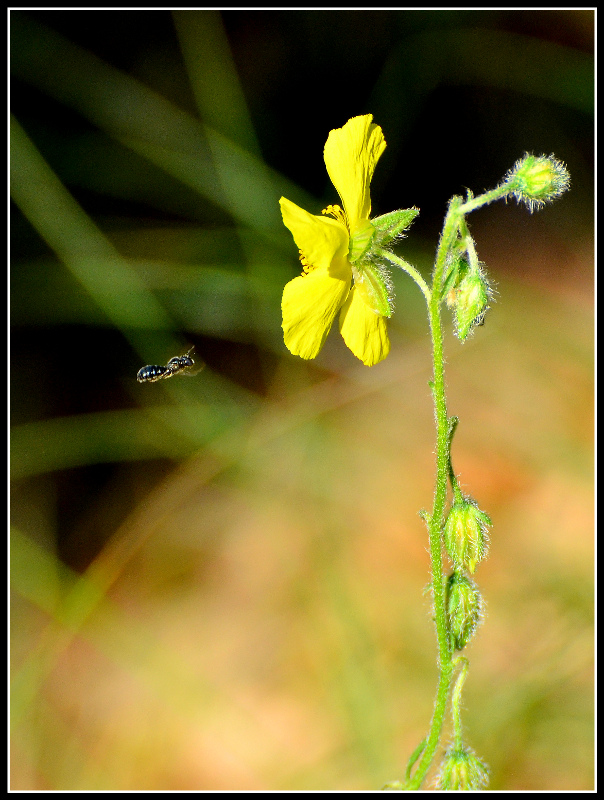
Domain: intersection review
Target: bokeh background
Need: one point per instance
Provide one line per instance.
(219, 582)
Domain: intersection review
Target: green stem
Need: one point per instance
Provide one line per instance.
(488, 197)
(435, 520)
(457, 493)
(445, 427)
(469, 245)
(456, 702)
(410, 270)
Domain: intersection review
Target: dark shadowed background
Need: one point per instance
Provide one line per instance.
(218, 581)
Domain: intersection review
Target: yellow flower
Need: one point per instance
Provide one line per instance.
(336, 277)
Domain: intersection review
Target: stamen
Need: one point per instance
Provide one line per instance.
(337, 213)
(306, 265)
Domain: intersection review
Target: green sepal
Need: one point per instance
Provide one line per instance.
(391, 225)
(371, 284)
(361, 241)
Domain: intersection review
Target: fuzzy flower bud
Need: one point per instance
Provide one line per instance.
(470, 301)
(465, 534)
(463, 609)
(536, 180)
(461, 769)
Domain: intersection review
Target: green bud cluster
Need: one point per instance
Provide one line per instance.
(461, 769)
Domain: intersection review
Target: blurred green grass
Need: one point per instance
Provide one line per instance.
(217, 582)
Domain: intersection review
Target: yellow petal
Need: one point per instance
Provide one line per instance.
(363, 330)
(322, 240)
(351, 154)
(310, 304)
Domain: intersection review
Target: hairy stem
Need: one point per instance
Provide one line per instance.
(435, 520)
(454, 226)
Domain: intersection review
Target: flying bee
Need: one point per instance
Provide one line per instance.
(179, 365)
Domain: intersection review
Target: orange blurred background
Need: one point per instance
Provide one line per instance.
(219, 582)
